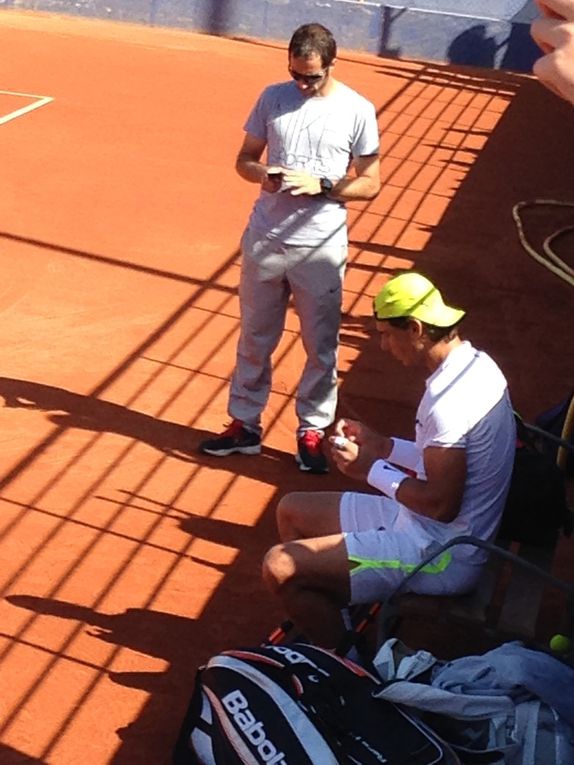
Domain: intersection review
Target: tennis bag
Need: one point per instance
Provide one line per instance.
(298, 704)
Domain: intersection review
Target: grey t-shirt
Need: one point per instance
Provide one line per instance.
(320, 135)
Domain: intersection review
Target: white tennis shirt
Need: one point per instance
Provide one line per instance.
(466, 406)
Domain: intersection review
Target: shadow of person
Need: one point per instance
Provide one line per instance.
(164, 636)
(520, 50)
(161, 635)
(136, 628)
(67, 409)
(74, 410)
(473, 47)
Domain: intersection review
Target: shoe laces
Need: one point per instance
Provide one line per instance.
(312, 440)
(234, 429)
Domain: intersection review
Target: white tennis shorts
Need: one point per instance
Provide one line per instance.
(384, 546)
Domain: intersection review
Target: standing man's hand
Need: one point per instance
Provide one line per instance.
(273, 180)
(553, 32)
(298, 182)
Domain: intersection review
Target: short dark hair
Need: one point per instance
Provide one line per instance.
(435, 333)
(313, 39)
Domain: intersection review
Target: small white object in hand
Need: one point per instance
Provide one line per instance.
(339, 442)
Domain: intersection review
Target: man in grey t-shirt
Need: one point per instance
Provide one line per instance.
(321, 143)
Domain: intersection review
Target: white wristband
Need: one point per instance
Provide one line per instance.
(404, 453)
(385, 477)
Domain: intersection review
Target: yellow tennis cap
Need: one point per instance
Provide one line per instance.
(414, 295)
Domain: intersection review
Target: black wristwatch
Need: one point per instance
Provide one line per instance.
(326, 186)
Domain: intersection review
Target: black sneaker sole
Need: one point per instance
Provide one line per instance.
(255, 449)
(307, 469)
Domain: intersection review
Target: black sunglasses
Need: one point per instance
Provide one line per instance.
(308, 79)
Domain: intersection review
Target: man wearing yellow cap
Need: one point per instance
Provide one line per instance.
(348, 548)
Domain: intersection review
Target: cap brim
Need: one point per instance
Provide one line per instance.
(445, 316)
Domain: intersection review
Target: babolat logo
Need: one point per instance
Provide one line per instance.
(253, 730)
(295, 657)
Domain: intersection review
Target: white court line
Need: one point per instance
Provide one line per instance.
(42, 101)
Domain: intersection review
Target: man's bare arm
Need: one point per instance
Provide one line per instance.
(440, 495)
(249, 166)
(364, 185)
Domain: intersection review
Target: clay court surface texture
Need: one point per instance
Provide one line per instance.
(127, 558)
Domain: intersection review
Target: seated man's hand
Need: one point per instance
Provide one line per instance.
(366, 437)
(355, 431)
(351, 458)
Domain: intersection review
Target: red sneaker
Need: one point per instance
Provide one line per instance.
(310, 455)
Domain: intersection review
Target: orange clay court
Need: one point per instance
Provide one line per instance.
(126, 558)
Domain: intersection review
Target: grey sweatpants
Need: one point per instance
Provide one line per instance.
(270, 272)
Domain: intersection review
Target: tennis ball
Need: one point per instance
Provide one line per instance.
(560, 644)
